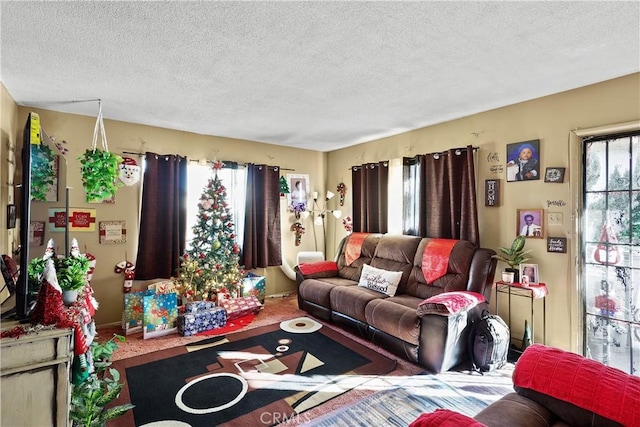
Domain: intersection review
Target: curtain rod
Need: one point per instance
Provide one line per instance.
(442, 153)
(197, 160)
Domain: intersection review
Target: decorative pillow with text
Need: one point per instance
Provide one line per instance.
(380, 280)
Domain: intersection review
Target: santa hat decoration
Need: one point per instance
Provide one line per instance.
(75, 249)
(49, 251)
(129, 171)
(49, 309)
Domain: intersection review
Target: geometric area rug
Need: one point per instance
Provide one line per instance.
(401, 400)
(256, 377)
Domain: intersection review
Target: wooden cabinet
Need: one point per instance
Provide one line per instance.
(35, 387)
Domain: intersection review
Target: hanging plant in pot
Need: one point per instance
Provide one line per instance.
(100, 168)
(513, 256)
(100, 171)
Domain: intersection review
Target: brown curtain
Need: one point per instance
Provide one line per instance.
(370, 200)
(447, 194)
(262, 241)
(163, 220)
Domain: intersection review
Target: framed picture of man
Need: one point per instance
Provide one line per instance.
(523, 161)
(530, 223)
(298, 192)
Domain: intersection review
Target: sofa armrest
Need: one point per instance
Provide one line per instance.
(449, 303)
(317, 270)
(578, 390)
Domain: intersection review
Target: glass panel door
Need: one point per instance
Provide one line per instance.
(611, 248)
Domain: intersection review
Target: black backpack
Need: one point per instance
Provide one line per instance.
(489, 343)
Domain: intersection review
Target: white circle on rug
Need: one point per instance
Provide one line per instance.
(282, 348)
(300, 325)
(167, 423)
(185, 408)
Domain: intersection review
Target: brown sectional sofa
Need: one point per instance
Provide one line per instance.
(437, 342)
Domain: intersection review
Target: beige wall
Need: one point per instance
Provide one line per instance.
(77, 131)
(549, 119)
(9, 157)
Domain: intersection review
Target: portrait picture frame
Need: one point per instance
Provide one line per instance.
(530, 271)
(520, 165)
(298, 196)
(534, 229)
(554, 175)
(11, 216)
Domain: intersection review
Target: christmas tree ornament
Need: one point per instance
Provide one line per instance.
(213, 244)
(284, 187)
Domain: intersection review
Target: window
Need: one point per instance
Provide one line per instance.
(611, 249)
(234, 181)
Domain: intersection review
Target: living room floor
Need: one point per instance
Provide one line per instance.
(407, 376)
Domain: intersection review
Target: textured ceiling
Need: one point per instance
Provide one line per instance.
(316, 75)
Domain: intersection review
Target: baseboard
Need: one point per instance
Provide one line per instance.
(280, 295)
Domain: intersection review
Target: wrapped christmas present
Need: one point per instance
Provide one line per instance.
(254, 285)
(238, 307)
(198, 306)
(192, 323)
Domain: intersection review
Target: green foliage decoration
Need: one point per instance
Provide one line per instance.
(100, 171)
(71, 272)
(90, 398)
(42, 172)
(515, 254)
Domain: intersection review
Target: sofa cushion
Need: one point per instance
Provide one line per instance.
(352, 271)
(445, 418)
(352, 300)
(577, 389)
(435, 258)
(448, 303)
(396, 253)
(457, 275)
(396, 316)
(318, 290)
(353, 247)
(380, 280)
(516, 411)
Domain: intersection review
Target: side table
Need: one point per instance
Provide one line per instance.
(533, 292)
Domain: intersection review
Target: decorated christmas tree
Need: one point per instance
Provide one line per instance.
(211, 263)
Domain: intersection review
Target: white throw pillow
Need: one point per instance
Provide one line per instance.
(380, 280)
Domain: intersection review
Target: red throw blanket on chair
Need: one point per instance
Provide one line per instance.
(354, 247)
(435, 258)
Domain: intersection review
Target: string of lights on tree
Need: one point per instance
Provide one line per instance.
(212, 262)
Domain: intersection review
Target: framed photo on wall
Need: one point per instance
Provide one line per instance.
(523, 161)
(529, 274)
(530, 223)
(298, 196)
(554, 175)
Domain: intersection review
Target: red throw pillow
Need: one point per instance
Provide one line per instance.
(445, 418)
